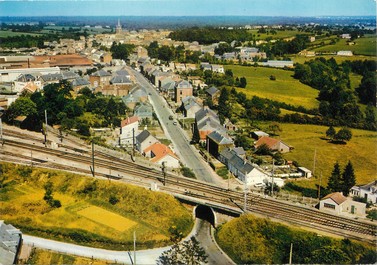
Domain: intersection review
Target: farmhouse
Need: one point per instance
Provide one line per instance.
(368, 192)
(273, 144)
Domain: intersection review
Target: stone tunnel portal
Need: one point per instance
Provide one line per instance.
(205, 213)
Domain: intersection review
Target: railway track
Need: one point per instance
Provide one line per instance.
(205, 191)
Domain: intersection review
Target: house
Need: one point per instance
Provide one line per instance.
(259, 134)
(368, 192)
(106, 58)
(123, 72)
(344, 53)
(29, 82)
(10, 243)
(160, 153)
(229, 126)
(169, 89)
(206, 121)
(277, 64)
(241, 168)
(182, 89)
(79, 83)
(143, 110)
(205, 66)
(100, 78)
(214, 94)
(217, 141)
(306, 173)
(120, 80)
(273, 144)
(338, 204)
(144, 140)
(190, 106)
(128, 131)
(136, 94)
(217, 68)
(345, 36)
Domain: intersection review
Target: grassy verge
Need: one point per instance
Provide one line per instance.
(284, 89)
(98, 213)
(41, 256)
(338, 59)
(251, 240)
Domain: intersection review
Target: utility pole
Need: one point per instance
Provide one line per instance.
(164, 172)
(133, 141)
(45, 130)
(272, 182)
(92, 167)
(245, 199)
(134, 247)
(319, 187)
(290, 255)
(315, 157)
(207, 149)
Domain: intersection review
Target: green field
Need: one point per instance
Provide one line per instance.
(87, 217)
(8, 33)
(363, 46)
(361, 150)
(338, 59)
(284, 89)
(280, 34)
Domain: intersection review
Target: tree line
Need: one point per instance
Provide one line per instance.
(82, 112)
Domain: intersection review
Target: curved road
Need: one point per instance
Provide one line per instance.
(202, 231)
(188, 154)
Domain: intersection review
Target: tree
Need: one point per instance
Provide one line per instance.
(23, 106)
(343, 135)
(242, 141)
(334, 183)
(330, 133)
(187, 253)
(263, 149)
(243, 82)
(348, 179)
(275, 128)
(224, 108)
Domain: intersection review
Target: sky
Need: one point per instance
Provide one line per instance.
(188, 8)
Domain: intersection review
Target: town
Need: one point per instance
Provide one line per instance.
(229, 120)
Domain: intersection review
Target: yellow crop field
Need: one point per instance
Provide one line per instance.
(107, 218)
(86, 215)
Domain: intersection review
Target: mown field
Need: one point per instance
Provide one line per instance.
(361, 150)
(41, 256)
(338, 59)
(284, 89)
(363, 46)
(86, 216)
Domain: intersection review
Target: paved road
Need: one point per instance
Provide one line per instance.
(202, 231)
(189, 155)
(142, 256)
(204, 236)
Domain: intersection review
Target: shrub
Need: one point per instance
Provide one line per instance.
(113, 199)
(187, 172)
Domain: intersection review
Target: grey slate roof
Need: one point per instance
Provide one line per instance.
(69, 75)
(168, 87)
(220, 138)
(26, 78)
(212, 90)
(120, 79)
(205, 112)
(51, 77)
(209, 123)
(10, 238)
(122, 72)
(141, 137)
(101, 73)
(184, 84)
(80, 82)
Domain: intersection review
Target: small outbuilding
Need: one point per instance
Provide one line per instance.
(338, 204)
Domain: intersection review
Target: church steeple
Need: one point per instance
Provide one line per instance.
(118, 29)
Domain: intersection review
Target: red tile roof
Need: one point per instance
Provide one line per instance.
(128, 121)
(160, 151)
(337, 197)
(270, 142)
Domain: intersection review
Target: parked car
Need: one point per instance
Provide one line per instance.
(171, 117)
(260, 185)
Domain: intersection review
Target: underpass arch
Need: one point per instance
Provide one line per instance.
(207, 213)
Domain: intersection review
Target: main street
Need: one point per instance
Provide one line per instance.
(188, 154)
